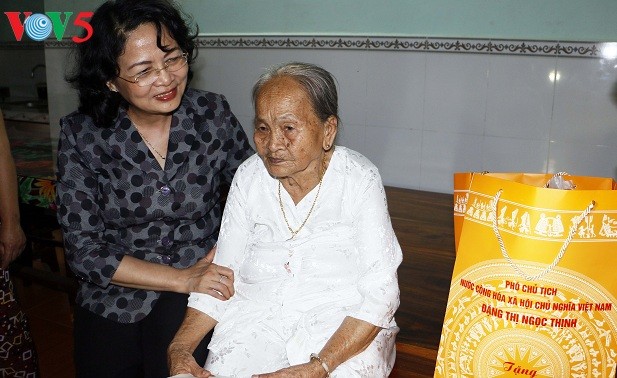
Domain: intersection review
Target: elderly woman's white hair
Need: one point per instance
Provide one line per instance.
(319, 84)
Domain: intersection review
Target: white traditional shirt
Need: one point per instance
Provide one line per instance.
(292, 294)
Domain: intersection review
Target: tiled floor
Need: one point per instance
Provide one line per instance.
(50, 318)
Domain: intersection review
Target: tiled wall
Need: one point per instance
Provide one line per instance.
(422, 109)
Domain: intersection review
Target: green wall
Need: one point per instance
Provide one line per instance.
(562, 20)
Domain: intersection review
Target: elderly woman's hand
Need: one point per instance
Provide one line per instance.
(312, 369)
(181, 361)
(208, 278)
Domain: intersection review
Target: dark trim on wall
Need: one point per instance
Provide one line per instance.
(411, 44)
(406, 44)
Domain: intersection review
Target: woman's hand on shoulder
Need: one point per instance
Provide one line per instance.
(209, 278)
(310, 369)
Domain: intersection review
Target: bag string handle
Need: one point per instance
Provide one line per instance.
(559, 256)
(560, 174)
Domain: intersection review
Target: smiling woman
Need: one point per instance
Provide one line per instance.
(156, 80)
(141, 166)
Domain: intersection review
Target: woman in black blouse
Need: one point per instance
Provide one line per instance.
(140, 170)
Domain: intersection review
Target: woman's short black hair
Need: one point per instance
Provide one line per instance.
(96, 60)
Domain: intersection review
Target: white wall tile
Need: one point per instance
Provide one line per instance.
(446, 153)
(395, 89)
(352, 135)
(232, 72)
(503, 154)
(583, 160)
(455, 95)
(520, 96)
(585, 105)
(396, 152)
(350, 72)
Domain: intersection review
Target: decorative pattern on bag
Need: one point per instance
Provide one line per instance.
(536, 222)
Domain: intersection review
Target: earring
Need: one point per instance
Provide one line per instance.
(327, 146)
(111, 86)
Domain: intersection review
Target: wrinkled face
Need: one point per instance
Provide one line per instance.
(141, 53)
(290, 138)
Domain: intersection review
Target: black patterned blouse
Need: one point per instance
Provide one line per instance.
(113, 198)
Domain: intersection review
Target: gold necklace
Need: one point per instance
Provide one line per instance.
(294, 233)
(148, 142)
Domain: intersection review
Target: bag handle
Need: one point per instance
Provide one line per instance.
(559, 256)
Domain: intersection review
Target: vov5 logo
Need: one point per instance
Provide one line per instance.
(39, 26)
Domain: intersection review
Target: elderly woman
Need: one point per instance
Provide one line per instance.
(307, 233)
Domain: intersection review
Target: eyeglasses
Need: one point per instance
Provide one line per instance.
(149, 76)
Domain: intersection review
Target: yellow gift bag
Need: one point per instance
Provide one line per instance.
(535, 279)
